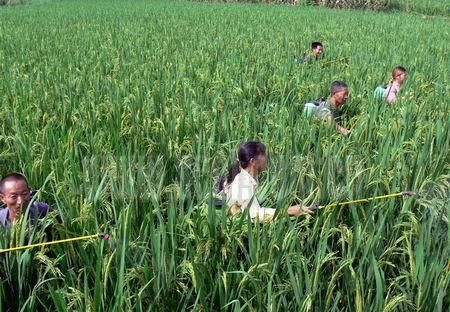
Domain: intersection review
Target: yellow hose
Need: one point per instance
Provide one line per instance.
(67, 240)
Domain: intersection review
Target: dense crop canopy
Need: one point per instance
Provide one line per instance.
(123, 112)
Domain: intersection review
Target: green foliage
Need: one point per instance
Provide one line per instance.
(430, 7)
(129, 109)
(356, 4)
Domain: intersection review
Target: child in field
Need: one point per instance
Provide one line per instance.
(314, 55)
(15, 194)
(330, 110)
(242, 181)
(390, 90)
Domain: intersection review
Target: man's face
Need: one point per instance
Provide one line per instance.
(16, 195)
(318, 51)
(340, 97)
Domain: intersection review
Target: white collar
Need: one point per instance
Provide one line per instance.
(248, 176)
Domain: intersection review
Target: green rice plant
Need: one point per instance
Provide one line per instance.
(123, 113)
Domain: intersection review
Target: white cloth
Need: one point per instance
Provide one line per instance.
(241, 195)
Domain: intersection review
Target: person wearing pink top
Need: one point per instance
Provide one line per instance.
(393, 86)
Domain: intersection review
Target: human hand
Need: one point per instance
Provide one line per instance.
(298, 210)
(342, 130)
(234, 209)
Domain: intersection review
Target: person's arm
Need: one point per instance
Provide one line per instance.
(265, 214)
(243, 197)
(256, 212)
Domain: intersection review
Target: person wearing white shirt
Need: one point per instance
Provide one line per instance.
(242, 181)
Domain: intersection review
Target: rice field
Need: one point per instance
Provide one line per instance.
(122, 113)
(431, 7)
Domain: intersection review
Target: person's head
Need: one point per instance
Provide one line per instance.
(14, 191)
(251, 157)
(339, 93)
(399, 74)
(317, 48)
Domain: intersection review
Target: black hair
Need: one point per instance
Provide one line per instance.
(247, 151)
(14, 176)
(337, 85)
(316, 44)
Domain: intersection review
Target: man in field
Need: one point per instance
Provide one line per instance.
(15, 194)
(314, 55)
(330, 110)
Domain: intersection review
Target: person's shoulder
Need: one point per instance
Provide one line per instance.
(3, 212)
(4, 216)
(42, 207)
(379, 92)
(324, 106)
(242, 179)
(322, 101)
(312, 107)
(303, 58)
(238, 178)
